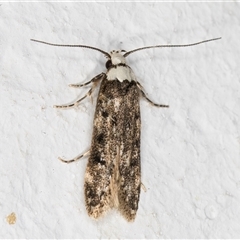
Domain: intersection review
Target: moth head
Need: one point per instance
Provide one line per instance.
(116, 57)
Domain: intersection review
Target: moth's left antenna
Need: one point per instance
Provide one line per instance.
(69, 45)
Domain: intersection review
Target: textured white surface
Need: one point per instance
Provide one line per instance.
(190, 152)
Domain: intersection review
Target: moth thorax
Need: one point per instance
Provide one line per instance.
(117, 57)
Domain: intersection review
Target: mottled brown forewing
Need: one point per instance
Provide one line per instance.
(113, 176)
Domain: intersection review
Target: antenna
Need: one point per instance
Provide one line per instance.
(82, 46)
(158, 46)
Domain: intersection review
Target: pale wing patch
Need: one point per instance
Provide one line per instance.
(121, 73)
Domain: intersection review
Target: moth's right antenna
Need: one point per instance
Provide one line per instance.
(158, 46)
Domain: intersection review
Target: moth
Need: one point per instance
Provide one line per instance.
(113, 173)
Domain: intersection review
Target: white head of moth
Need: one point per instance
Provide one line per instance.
(117, 67)
(117, 57)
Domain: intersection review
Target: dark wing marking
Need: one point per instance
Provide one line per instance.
(113, 172)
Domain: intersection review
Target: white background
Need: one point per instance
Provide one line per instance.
(190, 152)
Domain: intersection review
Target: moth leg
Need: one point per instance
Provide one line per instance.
(95, 79)
(76, 158)
(77, 102)
(150, 101)
(143, 187)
